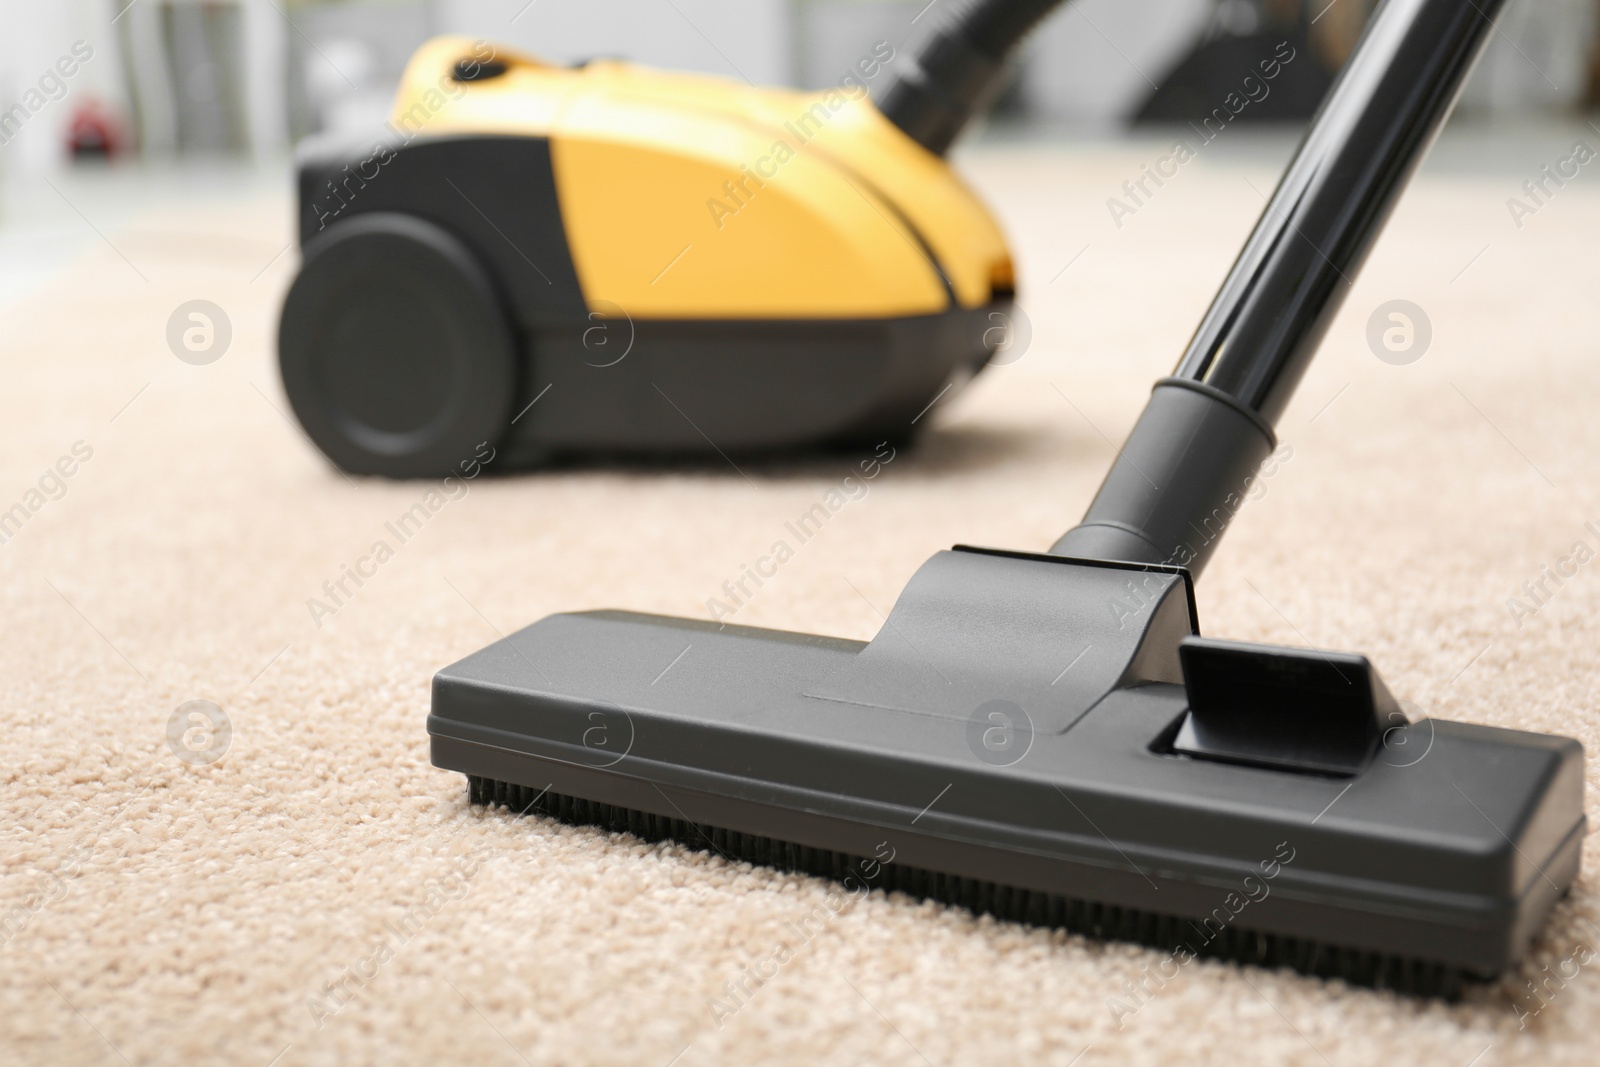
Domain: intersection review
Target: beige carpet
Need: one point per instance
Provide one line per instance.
(157, 912)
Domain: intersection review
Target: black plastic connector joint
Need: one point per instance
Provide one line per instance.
(939, 90)
(1177, 483)
(959, 69)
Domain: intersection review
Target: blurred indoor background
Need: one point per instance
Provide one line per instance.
(206, 78)
(112, 108)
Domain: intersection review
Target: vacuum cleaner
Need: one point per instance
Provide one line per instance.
(1047, 737)
(609, 259)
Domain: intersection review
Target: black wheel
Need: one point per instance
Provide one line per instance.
(395, 351)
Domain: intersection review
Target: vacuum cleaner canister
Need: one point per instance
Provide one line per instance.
(612, 259)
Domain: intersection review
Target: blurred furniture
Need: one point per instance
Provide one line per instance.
(1256, 60)
(1540, 61)
(746, 39)
(204, 77)
(346, 56)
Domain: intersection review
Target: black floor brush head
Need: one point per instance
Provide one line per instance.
(1180, 937)
(1038, 756)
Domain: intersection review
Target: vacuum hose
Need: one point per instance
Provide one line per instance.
(958, 70)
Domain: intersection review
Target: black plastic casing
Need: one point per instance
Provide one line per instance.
(1451, 844)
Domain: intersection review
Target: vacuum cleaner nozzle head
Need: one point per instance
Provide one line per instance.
(1045, 739)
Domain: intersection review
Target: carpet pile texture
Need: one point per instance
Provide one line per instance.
(320, 894)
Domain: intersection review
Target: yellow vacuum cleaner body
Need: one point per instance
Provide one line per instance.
(609, 259)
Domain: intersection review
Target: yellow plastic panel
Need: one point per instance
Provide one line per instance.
(691, 196)
(960, 231)
(659, 223)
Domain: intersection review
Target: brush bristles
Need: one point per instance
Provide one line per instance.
(1091, 918)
